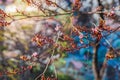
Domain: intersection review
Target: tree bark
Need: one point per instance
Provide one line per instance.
(98, 72)
(100, 4)
(95, 63)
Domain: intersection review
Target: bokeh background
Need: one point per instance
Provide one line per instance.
(15, 40)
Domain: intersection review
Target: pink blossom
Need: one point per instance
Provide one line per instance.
(57, 28)
(35, 54)
(95, 29)
(81, 36)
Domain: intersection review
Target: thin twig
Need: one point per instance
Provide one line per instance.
(37, 16)
(54, 52)
(44, 70)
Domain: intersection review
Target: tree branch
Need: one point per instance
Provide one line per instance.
(95, 62)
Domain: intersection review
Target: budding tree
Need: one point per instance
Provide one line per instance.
(54, 35)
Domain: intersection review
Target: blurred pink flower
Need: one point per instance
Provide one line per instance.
(95, 29)
(81, 35)
(77, 64)
(7, 1)
(35, 54)
(57, 28)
